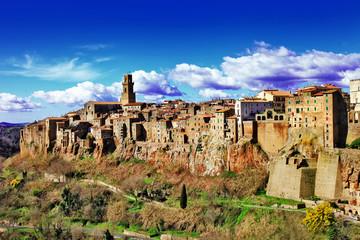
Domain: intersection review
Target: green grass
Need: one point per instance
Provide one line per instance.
(149, 180)
(182, 234)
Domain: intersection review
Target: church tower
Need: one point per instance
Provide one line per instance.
(128, 95)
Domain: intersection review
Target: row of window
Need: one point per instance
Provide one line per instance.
(308, 101)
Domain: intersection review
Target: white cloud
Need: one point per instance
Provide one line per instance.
(153, 83)
(81, 93)
(105, 59)
(262, 44)
(280, 67)
(65, 71)
(154, 98)
(95, 46)
(271, 67)
(212, 93)
(12, 103)
(198, 77)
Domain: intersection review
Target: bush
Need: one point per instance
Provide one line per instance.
(355, 144)
(36, 192)
(320, 219)
(16, 182)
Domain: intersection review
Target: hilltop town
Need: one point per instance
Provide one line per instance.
(301, 136)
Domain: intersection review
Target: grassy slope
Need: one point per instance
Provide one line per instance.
(213, 211)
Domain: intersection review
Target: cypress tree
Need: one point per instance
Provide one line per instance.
(183, 197)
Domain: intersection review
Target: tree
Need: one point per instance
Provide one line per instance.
(183, 197)
(320, 219)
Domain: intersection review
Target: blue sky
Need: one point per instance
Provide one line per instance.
(54, 56)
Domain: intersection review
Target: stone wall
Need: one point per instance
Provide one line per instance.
(328, 176)
(272, 136)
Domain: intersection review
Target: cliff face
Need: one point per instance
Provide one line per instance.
(9, 141)
(350, 168)
(209, 157)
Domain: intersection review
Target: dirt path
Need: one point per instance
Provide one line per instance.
(117, 190)
(116, 235)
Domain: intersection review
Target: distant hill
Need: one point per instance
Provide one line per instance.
(9, 138)
(7, 125)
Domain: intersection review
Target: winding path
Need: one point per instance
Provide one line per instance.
(116, 235)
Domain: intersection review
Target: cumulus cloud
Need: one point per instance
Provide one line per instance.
(12, 103)
(198, 77)
(281, 67)
(153, 83)
(212, 93)
(271, 67)
(68, 71)
(81, 93)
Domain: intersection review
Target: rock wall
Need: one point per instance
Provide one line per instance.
(328, 176)
(210, 156)
(272, 136)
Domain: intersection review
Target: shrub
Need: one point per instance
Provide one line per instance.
(355, 144)
(320, 219)
(16, 182)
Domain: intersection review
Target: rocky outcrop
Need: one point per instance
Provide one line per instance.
(9, 141)
(209, 156)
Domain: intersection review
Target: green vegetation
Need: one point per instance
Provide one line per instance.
(320, 219)
(183, 197)
(355, 144)
(222, 207)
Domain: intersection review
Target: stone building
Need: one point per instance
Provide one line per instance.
(95, 109)
(322, 108)
(355, 94)
(276, 97)
(219, 125)
(272, 130)
(136, 106)
(128, 94)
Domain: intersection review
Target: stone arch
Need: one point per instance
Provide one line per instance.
(269, 114)
(258, 118)
(263, 117)
(276, 118)
(281, 118)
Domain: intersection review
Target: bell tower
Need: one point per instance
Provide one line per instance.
(128, 95)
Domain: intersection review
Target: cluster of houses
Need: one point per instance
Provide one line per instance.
(323, 107)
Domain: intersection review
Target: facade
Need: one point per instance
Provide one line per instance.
(246, 108)
(128, 95)
(322, 108)
(355, 94)
(276, 97)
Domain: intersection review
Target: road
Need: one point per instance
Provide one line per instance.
(116, 235)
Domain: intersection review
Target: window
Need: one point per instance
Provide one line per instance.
(327, 108)
(289, 102)
(327, 101)
(308, 94)
(314, 108)
(297, 110)
(308, 101)
(315, 101)
(306, 120)
(289, 109)
(308, 109)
